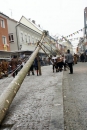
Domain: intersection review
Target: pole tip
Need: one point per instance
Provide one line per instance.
(45, 32)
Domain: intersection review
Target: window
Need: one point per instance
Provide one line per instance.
(21, 37)
(36, 40)
(33, 40)
(4, 40)
(28, 39)
(11, 37)
(2, 23)
(25, 38)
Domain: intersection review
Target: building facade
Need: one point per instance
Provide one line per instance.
(22, 35)
(85, 28)
(4, 40)
(12, 34)
(31, 24)
(27, 38)
(33, 34)
(68, 46)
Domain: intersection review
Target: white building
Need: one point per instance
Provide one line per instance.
(68, 46)
(12, 34)
(32, 32)
(27, 37)
(24, 35)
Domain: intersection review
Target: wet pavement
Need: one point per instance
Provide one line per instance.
(53, 101)
(38, 104)
(75, 98)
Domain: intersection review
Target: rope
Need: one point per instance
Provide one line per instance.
(53, 49)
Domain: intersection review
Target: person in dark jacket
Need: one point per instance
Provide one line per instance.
(82, 57)
(36, 64)
(31, 69)
(69, 59)
(5, 67)
(14, 63)
(1, 70)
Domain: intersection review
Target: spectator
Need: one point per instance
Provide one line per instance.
(69, 59)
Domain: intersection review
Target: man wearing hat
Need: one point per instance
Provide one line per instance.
(69, 59)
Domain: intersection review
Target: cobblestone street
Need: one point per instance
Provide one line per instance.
(38, 104)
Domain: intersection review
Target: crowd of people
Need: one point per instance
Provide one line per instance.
(59, 63)
(15, 65)
(65, 61)
(83, 57)
(7, 67)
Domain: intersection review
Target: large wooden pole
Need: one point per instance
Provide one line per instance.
(8, 95)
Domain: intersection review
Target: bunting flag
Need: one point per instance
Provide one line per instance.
(77, 32)
(72, 39)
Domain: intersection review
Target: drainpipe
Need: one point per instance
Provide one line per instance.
(17, 36)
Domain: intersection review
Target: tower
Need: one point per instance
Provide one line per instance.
(85, 21)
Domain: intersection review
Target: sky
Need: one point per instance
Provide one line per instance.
(59, 17)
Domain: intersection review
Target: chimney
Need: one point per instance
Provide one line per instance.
(33, 21)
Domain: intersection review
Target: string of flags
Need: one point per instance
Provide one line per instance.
(78, 38)
(72, 39)
(73, 34)
(77, 32)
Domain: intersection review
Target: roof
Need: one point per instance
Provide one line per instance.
(26, 27)
(3, 15)
(13, 20)
(8, 17)
(52, 37)
(32, 23)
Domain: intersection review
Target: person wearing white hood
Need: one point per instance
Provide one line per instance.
(54, 59)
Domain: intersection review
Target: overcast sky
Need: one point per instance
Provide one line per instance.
(57, 16)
